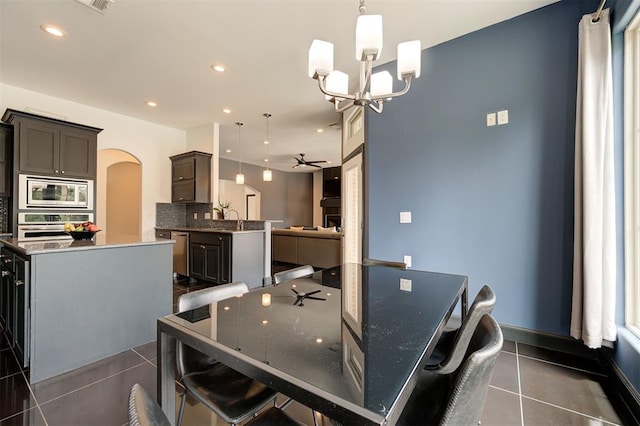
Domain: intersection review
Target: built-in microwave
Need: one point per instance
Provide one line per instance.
(43, 192)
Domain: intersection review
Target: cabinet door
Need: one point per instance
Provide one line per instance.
(78, 153)
(39, 146)
(182, 192)
(196, 260)
(21, 326)
(183, 169)
(213, 264)
(224, 241)
(6, 141)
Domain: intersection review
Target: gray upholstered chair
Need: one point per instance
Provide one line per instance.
(452, 345)
(377, 262)
(292, 274)
(143, 409)
(457, 398)
(234, 397)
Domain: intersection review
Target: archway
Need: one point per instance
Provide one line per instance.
(119, 198)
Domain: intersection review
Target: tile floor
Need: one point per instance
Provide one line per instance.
(530, 386)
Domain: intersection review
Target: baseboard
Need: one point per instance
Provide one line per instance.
(621, 393)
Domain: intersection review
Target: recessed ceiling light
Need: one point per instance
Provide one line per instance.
(226, 110)
(218, 68)
(52, 30)
(227, 151)
(151, 104)
(266, 142)
(266, 160)
(319, 130)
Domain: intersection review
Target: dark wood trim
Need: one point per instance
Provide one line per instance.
(564, 344)
(628, 396)
(9, 115)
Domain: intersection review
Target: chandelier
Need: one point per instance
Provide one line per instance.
(267, 175)
(374, 89)
(239, 176)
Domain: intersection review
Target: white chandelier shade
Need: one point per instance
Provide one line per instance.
(374, 89)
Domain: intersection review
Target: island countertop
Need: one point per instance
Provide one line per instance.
(216, 230)
(100, 241)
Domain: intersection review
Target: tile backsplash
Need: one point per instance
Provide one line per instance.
(173, 215)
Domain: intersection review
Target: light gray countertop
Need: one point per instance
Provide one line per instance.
(100, 241)
(217, 230)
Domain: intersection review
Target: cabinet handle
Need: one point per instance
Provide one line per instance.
(62, 171)
(219, 238)
(5, 273)
(180, 177)
(56, 171)
(19, 283)
(203, 247)
(181, 198)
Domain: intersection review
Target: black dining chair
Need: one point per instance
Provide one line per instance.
(452, 345)
(233, 396)
(457, 398)
(292, 274)
(273, 416)
(144, 410)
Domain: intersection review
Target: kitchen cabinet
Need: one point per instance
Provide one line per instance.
(210, 257)
(15, 303)
(6, 141)
(46, 146)
(191, 177)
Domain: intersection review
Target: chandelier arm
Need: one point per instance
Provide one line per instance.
(405, 89)
(366, 69)
(345, 105)
(323, 89)
(376, 105)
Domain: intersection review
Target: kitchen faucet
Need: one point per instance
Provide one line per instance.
(239, 223)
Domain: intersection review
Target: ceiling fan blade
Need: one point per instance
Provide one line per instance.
(319, 161)
(314, 165)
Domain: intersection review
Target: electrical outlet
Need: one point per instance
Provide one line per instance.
(405, 284)
(503, 117)
(491, 119)
(195, 215)
(405, 217)
(207, 215)
(407, 261)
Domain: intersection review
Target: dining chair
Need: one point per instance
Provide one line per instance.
(452, 345)
(233, 396)
(457, 398)
(144, 410)
(391, 263)
(292, 274)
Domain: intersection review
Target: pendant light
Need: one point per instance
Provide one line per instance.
(239, 176)
(267, 175)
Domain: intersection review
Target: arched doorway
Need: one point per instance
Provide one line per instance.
(119, 195)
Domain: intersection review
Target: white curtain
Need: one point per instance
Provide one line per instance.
(594, 264)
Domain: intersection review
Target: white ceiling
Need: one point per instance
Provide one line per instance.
(162, 50)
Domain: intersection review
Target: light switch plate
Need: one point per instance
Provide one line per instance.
(503, 117)
(195, 215)
(405, 284)
(207, 215)
(491, 119)
(407, 261)
(405, 217)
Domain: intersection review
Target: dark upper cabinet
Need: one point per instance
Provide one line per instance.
(6, 142)
(191, 177)
(51, 147)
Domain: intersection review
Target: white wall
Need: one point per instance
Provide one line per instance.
(150, 143)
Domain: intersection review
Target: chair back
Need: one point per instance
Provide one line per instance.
(143, 409)
(188, 359)
(292, 274)
(471, 383)
(483, 304)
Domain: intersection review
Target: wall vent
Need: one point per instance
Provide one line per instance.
(97, 5)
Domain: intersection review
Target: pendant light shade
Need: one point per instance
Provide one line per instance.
(239, 176)
(267, 176)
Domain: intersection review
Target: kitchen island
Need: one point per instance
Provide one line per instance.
(76, 302)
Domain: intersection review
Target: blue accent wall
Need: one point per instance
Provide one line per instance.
(492, 203)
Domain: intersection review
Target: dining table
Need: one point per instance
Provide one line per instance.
(351, 349)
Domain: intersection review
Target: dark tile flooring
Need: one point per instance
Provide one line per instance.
(530, 386)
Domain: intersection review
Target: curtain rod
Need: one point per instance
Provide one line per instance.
(597, 17)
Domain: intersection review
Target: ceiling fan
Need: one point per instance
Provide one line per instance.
(303, 163)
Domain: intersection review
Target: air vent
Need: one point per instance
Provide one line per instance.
(97, 5)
